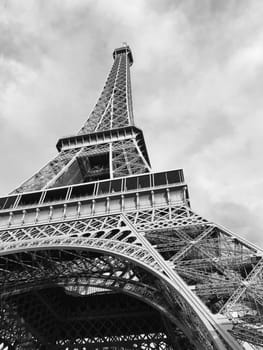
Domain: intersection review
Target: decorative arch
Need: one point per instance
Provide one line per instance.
(137, 255)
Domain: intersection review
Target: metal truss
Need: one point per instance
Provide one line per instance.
(122, 156)
(50, 175)
(209, 260)
(81, 273)
(48, 172)
(118, 236)
(69, 166)
(114, 107)
(92, 261)
(127, 159)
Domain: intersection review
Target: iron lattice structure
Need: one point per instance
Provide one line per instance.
(99, 252)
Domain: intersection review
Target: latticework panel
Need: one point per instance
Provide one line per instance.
(51, 316)
(48, 172)
(78, 165)
(14, 334)
(114, 235)
(114, 107)
(127, 159)
(96, 321)
(221, 269)
(69, 167)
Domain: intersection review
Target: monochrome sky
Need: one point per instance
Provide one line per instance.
(197, 84)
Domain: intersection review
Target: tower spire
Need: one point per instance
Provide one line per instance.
(107, 146)
(114, 106)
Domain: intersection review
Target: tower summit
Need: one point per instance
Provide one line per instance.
(114, 107)
(97, 251)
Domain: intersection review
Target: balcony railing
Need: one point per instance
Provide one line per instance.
(94, 189)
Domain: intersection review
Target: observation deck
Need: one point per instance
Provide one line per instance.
(98, 197)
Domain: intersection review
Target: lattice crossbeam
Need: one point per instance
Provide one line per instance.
(159, 275)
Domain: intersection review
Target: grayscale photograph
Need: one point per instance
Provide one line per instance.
(131, 183)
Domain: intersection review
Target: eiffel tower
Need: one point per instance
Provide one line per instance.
(97, 251)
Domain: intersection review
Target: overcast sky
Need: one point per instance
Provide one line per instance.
(197, 84)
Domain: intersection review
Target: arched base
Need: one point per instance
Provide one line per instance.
(79, 300)
(56, 319)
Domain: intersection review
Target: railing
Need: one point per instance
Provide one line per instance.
(93, 189)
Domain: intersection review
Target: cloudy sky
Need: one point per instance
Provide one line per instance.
(197, 89)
